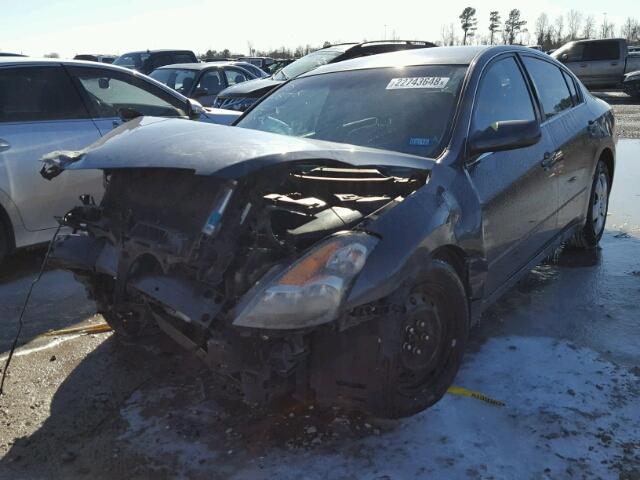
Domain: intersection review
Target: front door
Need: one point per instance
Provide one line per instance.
(518, 196)
(41, 112)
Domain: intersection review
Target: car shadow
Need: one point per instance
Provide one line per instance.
(615, 97)
(147, 411)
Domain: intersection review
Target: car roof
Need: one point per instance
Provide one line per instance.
(58, 61)
(159, 50)
(202, 65)
(462, 55)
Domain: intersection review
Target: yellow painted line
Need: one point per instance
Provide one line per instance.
(87, 329)
(473, 394)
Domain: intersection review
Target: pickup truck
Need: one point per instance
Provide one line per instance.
(599, 63)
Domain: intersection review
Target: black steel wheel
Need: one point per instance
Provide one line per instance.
(421, 355)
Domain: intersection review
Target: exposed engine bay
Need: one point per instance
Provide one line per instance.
(193, 254)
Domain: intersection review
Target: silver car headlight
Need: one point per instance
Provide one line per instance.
(311, 290)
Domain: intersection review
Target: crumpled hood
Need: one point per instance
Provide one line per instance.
(209, 149)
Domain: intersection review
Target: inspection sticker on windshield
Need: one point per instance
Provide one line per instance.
(417, 82)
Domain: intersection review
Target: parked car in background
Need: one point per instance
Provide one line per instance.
(96, 57)
(7, 54)
(241, 97)
(147, 61)
(52, 104)
(256, 71)
(631, 84)
(261, 62)
(341, 239)
(599, 63)
(202, 81)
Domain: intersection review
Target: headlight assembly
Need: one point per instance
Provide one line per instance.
(311, 290)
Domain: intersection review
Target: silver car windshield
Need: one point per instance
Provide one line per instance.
(406, 109)
(306, 64)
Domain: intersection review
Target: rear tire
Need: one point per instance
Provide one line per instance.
(5, 244)
(591, 233)
(425, 350)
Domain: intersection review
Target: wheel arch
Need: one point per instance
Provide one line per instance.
(457, 258)
(607, 157)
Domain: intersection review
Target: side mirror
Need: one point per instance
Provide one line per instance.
(194, 109)
(103, 83)
(564, 57)
(506, 135)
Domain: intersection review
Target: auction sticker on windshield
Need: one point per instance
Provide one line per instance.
(417, 82)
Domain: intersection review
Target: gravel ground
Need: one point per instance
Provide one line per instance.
(560, 350)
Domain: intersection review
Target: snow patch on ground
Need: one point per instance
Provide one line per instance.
(568, 412)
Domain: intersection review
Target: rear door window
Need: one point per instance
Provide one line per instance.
(210, 83)
(235, 76)
(503, 95)
(183, 58)
(572, 88)
(552, 89)
(607, 50)
(30, 94)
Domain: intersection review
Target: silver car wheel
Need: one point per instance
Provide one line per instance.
(600, 203)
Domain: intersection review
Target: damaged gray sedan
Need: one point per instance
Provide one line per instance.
(338, 242)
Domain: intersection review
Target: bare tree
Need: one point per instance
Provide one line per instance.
(630, 30)
(448, 35)
(559, 28)
(542, 28)
(250, 48)
(494, 24)
(606, 28)
(468, 23)
(513, 25)
(51, 55)
(574, 21)
(589, 29)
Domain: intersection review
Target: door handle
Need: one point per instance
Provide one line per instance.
(583, 65)
(614, 63)
(4, 145)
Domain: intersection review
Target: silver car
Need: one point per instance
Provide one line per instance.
(48, 105)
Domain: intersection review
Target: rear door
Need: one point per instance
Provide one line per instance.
(40, 112)
(112, 94)
(519, 198)
(566, 117)
(606, 62)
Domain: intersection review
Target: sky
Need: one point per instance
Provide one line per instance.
(69, 27)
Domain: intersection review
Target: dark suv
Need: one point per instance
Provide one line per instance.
(241, 97)
(147, 61)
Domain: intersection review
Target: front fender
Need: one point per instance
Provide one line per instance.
(408, 234)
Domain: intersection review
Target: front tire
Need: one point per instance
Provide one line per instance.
(592, 232)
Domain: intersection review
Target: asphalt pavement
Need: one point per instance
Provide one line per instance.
(560, 350)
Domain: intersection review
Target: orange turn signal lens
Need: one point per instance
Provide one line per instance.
(308, 268)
